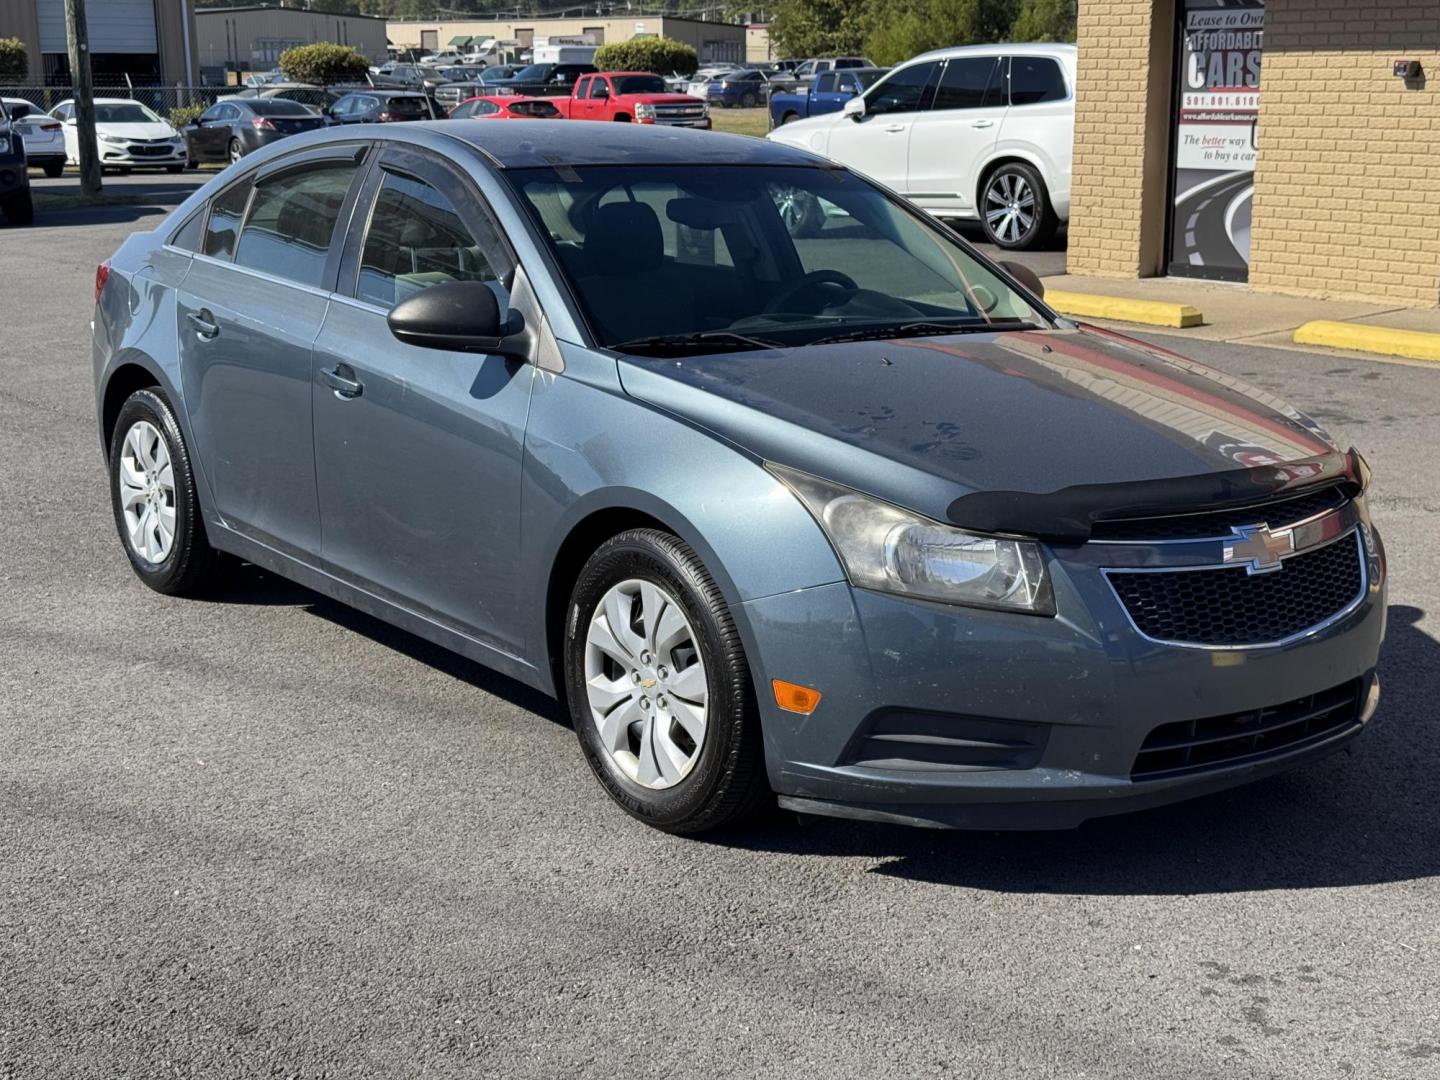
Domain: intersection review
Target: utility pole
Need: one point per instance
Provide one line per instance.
(86, 147)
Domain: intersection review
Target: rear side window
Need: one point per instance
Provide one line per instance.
(970, 83)
(188, 236)
(405, 106)
(293, 215)
(226, 213)
(1035, 79)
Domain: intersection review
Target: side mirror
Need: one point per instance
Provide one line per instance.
(461, 316)
(1026, 277)
(854, 108)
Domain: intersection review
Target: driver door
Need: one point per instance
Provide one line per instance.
(878, 143)
(417, 450)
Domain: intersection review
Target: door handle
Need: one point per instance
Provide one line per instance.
(203, 322)
(893, 128)
(982, 123)
(342, 380)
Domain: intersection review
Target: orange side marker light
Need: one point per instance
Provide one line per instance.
(794, 698)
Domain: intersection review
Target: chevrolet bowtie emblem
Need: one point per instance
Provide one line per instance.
(1259, 548)
(647, 683)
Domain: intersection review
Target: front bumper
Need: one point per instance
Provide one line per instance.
(1075, 695)
(138, 156)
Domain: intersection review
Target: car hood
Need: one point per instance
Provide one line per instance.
(984, 429)
(138, 131)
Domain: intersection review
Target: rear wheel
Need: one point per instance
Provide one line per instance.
(19, 208)
(1015, 207)
(659, 689)
(236, 151)
(153, 496)
(54, 169)
(748, 100)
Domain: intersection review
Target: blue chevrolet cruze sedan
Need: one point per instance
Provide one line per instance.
(847, 518)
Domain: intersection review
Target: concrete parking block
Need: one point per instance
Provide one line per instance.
(1367, 337)
(1125, 309)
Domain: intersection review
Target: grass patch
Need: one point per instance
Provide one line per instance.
(741, 121)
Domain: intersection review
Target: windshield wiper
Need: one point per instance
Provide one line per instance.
(925, 329)
(680, 344)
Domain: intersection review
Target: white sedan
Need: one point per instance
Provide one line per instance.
(129, 134)
(43, 136)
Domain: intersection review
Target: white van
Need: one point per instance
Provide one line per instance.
(564, 54)
(981, 131)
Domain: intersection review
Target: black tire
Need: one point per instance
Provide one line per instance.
(192, 565)
(54, 169)
(727, 781)
(748, 101)
(621, 118)
(1043, 222)
(236, 151)
(19, 208)
(789, 118)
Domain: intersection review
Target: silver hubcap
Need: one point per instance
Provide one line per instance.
(793, 207)
(1009, 207)
(645, 683)
(147, 492)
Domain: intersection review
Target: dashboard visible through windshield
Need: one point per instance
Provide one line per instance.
(688, 259)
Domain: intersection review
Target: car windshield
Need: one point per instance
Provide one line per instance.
(126, 112)
(685, 259)
(639, 84)
(277, 107)
(534, 73)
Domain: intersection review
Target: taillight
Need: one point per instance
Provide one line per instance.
(262, 123)
(102, 274)
(49, 127)
(386, 117)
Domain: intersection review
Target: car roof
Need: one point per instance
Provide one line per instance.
(1000, 48)
(536, 144)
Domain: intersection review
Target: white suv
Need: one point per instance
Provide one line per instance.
(982, 131)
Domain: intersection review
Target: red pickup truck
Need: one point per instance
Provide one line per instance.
(635, 97)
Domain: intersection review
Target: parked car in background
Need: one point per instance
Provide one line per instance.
(826, 93)
(129, 134)
(633, 97)
(15, 200)
(780, 80)
(544, 80)
(401, 76)
(382, 107)
(855, 519)
(234, 127)
(808, 69)
(316, 97)
(449, 94)
(982, 131)
(443, 58)
(743, 88)
(698, 84)
(44, 136)
(508, 107)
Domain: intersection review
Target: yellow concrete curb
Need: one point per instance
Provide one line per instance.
(1364, 337)
(1150, 312)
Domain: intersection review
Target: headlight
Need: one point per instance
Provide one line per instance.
(103, 137)
(705, 108)
(892, 550)
(644, 111)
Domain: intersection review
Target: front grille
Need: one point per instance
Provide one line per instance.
(945, 742)
(679, 111)
(1228, 606)
(1190, 746)
(147, 150)
(1277, 514)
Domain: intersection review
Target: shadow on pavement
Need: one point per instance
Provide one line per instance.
(1368, 815)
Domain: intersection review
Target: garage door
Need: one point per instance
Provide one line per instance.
(115, 26)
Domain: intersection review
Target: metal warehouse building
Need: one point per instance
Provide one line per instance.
(1294, 144)
(150, 41)
(251, 37)
(712, 40)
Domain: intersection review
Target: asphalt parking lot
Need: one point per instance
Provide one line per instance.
(265, 835)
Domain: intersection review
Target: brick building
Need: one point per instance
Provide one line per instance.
(1281, 143)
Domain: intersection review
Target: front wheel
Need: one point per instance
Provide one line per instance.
(1015, 208)
(658, 686)
(156, 507)
(54, 169)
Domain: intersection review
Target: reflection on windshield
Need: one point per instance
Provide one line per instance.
(702, 258)
(131, 113)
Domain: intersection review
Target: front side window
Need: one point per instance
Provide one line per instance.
(226, 213)
(907, 90)
(774, 255)
(1036, 79)
(970, 83)
(825, 83)
(291, 220)
(416, 239)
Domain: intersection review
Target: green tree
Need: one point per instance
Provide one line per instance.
(817, 27)
(323, 63)
(1044, 20)
(896, 30)
(659, 55)
(14, 61)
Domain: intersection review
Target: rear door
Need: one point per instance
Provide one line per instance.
(418, 450)
(248, 314)
(955, 136)
(1040, 123)
(878, 143)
